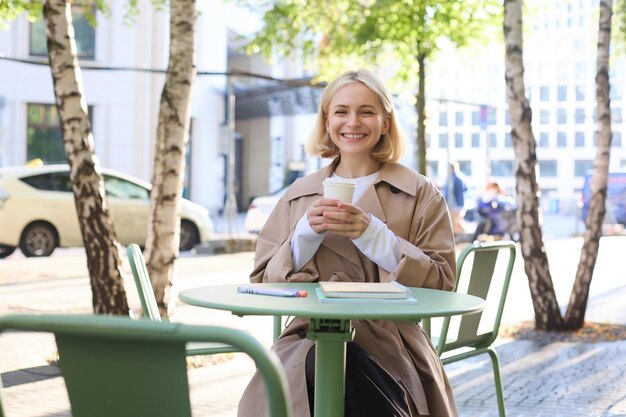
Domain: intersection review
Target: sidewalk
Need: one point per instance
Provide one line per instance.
(540, 377)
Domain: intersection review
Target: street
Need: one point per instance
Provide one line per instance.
(59, 284)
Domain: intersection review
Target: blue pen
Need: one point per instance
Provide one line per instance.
(276, 292)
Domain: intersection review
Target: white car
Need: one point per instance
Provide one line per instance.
(259, 210)
(38, 214)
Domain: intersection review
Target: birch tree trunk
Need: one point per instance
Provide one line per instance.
(575, 316)
(547, 313)
(169, 165)
(101, 246)
(420, 108)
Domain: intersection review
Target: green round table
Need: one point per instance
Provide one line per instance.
(330, 323)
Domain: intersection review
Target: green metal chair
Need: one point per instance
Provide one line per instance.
(115, 366)
(475, 337)
(149, 306)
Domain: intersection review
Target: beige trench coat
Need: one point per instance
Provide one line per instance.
(415, 211)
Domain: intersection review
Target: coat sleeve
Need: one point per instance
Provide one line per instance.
(273, 261)
(427, 257)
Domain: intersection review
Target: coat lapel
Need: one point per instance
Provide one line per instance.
(370, 203)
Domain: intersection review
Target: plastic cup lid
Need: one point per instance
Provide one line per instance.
(339, 181)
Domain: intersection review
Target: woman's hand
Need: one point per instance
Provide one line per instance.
(340, 218)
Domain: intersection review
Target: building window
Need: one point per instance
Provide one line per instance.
(475, 118)
(465, 167)
(502, 168)
(561, 140)
(443, 119)
(544, 93)
(493, 140)
(561, 116)
(615, 92)
(491, 117)
(579, 140)
(508, 140)
(443, 140)
(458, 140)
(580, 93)
(43, 130)
(579, 116)
(84, 33)
(458, 118)
(544, 117)
(44, 138)
(544, 140)
(547, 168)
(616, 115)
(581, 167)
(617, 139)
(561, 93)
(433, 169)
(475, 140)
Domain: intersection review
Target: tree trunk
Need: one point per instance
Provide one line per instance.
(547, 313)
(101, 246)
(420, 108)
(575, 316)
(172, 135)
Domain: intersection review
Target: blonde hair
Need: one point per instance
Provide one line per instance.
(390, 146)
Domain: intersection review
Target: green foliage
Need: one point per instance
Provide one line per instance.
(619, 30)
(333, 35)
(10, 9)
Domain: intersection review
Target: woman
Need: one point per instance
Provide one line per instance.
(398, 228)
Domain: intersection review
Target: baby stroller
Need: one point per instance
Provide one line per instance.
(498, 218)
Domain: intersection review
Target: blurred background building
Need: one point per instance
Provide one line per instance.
(468, 117)
(275, 107)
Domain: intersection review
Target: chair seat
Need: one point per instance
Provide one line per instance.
(453, 344)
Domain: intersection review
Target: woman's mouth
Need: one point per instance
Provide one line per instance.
(353, 136)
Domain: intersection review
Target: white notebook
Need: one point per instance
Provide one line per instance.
(383, 290)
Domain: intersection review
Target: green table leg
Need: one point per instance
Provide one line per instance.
(330, 365)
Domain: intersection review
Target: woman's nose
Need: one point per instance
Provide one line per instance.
(353, 119)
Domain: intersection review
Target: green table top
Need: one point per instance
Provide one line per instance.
(430, 303)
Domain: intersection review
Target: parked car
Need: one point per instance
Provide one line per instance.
(259, 210)
(615, 198)
(38, 214)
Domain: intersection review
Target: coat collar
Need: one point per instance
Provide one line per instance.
(396, 175)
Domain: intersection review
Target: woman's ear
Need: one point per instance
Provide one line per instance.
(386, 124)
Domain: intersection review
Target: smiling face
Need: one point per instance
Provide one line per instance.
(356, 120)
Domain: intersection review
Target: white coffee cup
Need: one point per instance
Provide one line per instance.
(339, 188)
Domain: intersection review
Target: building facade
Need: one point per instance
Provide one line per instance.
(123, 93)
(468, 113)
(466, 103)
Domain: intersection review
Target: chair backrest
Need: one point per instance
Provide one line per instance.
(149, 306)
(115, 366)
(485, 269)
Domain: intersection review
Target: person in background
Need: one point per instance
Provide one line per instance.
(497, 214)
(397, 228)
(454, 192)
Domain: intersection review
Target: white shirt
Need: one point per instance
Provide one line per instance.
(377, 243)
